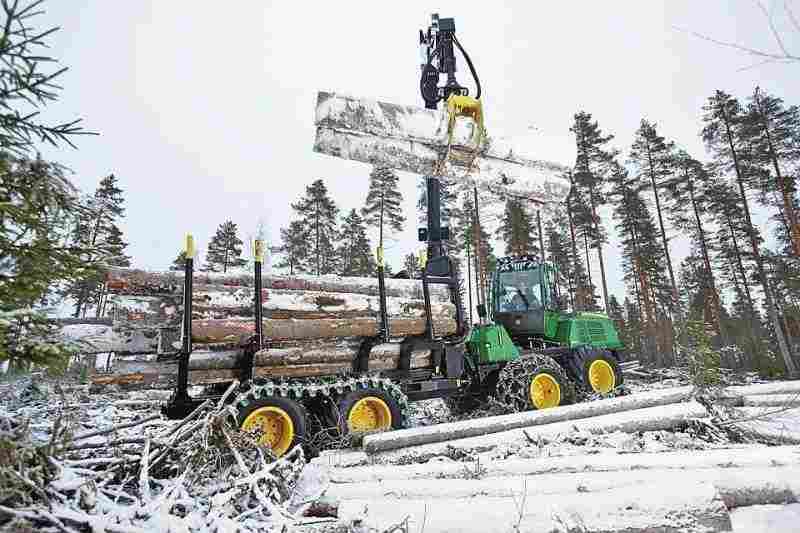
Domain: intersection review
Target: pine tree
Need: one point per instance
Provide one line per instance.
(516, 229)
(467, 235)
(723, 204)
(690, 182)
(591, 167)
(318, 215)
(27, 83)
(225, 249)
(355, 253)
(179, 263)
(383, 207)
(654, 161)
(774, 134)
(36, 251)
(411, 266)
(585, 292)
(643, 256)
(724, 136)
(96, 230)
(294, 247)
(560, 253)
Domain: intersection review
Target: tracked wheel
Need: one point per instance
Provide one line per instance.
(369, 410)
(278, 423)
(534, 382)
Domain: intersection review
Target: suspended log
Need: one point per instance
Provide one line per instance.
(288, 329)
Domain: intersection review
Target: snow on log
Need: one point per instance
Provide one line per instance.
(746, 456)
(647, 419)
(204, 331)
(629, 501)
(734, 480)
(772, 400)
(643, 507)
(415, 140)
(220, 366)
(482, 426)
(134, 281)
(776, 387)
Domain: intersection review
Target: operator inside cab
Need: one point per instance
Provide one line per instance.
(519, 291)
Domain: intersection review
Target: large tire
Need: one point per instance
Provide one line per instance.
(369, 410)
(600, 373)
(280, 423)
(534, 382)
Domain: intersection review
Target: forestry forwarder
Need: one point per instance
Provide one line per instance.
(537, 365)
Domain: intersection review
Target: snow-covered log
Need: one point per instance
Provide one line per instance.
(206, 367)
(745, 456)
(776, 387)
(207, 331)
(415, 140)
(142, 282)
(527, 506)
(629, 501)
(308, 304)
(772, 400)
(647, 419)
(482, 426)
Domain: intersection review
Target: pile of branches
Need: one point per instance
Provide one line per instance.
(201, 474)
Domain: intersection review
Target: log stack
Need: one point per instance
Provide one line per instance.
(313, 325)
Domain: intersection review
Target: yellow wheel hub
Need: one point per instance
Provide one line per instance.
(601, 377)
(545, 391)
(275, 425)
(369, 414)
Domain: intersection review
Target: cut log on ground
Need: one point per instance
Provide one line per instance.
(632, 509)
(647, 419)
(631, 501)
(772, 400)
(484, 426)
(776, 480)
(778, 387)
(744, 456)
(279, 329)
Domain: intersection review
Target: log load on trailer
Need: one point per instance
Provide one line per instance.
(354, 352)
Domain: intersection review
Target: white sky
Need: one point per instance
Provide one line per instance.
(206, 111)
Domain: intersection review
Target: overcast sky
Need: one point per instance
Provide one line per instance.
(206, 112)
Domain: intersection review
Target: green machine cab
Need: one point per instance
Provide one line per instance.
(544, 348)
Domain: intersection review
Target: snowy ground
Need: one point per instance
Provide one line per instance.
(687, 479)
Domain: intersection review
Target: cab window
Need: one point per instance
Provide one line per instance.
(518, 291)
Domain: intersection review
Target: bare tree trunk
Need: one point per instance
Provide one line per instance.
(706, 260)
(663, 231)
(596, 219)
(791, 369)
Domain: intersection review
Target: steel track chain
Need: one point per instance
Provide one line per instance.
(513, 383)
(302, 390)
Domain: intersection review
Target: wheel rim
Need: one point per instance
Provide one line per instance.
(601, 376)
(275, 425)
(545, 391)
(369, 414)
